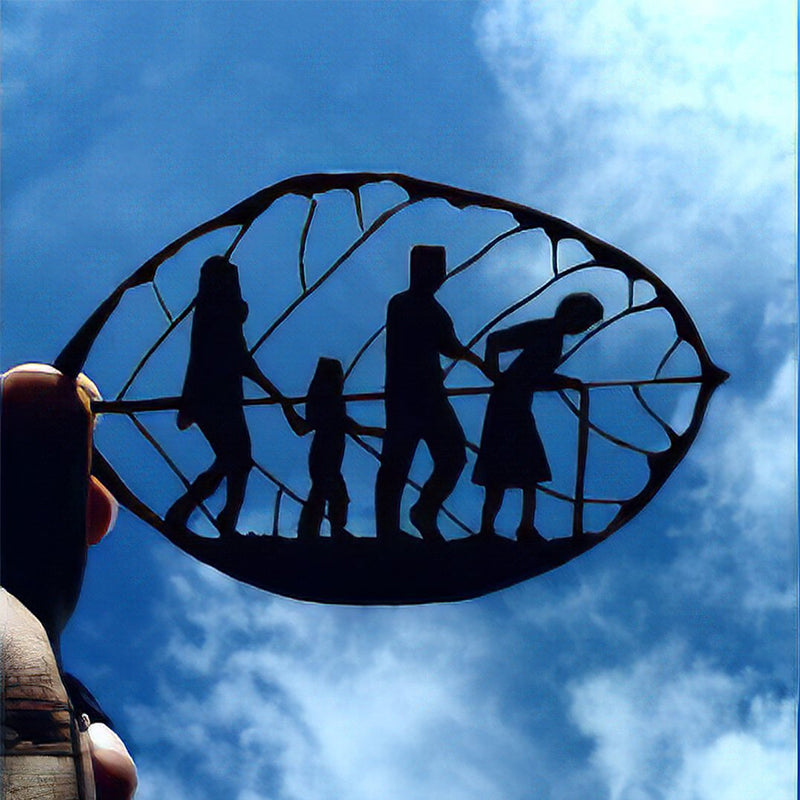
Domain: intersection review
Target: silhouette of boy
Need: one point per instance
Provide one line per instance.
(418, 332)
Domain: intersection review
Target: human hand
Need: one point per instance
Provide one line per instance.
(52, 510)
(296, 422)
(566, 382)
(369, 430)
(487, 366)
(491, 371)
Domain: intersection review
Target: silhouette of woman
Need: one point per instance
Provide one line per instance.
(326, 415)
(212, 393)
(511, 453)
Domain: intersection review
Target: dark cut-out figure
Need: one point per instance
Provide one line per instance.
(212, 393)
(326, 415)
(511, 454)
(418, 332)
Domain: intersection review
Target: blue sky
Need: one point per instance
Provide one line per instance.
(660, 665)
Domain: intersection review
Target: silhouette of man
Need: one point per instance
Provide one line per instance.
(418, 331)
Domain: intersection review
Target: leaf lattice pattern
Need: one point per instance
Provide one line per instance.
(319, 257)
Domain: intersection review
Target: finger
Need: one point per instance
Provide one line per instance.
(101, 511)
(114, 771)
(45, 439)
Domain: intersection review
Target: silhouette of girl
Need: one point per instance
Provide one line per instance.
(212, 393)
(511, 453)
(326, 415)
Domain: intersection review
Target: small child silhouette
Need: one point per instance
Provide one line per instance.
(326, 415)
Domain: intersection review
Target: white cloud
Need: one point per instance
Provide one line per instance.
(667, 129)
(669, 728)
(651, 57)
(744, 548)
(262, 698)
(159, 783)
(303, 701)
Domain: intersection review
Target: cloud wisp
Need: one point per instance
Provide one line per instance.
(671, 726)
(669, 132)
(302, 701)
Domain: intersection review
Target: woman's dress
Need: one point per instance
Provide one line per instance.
(511, 452)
